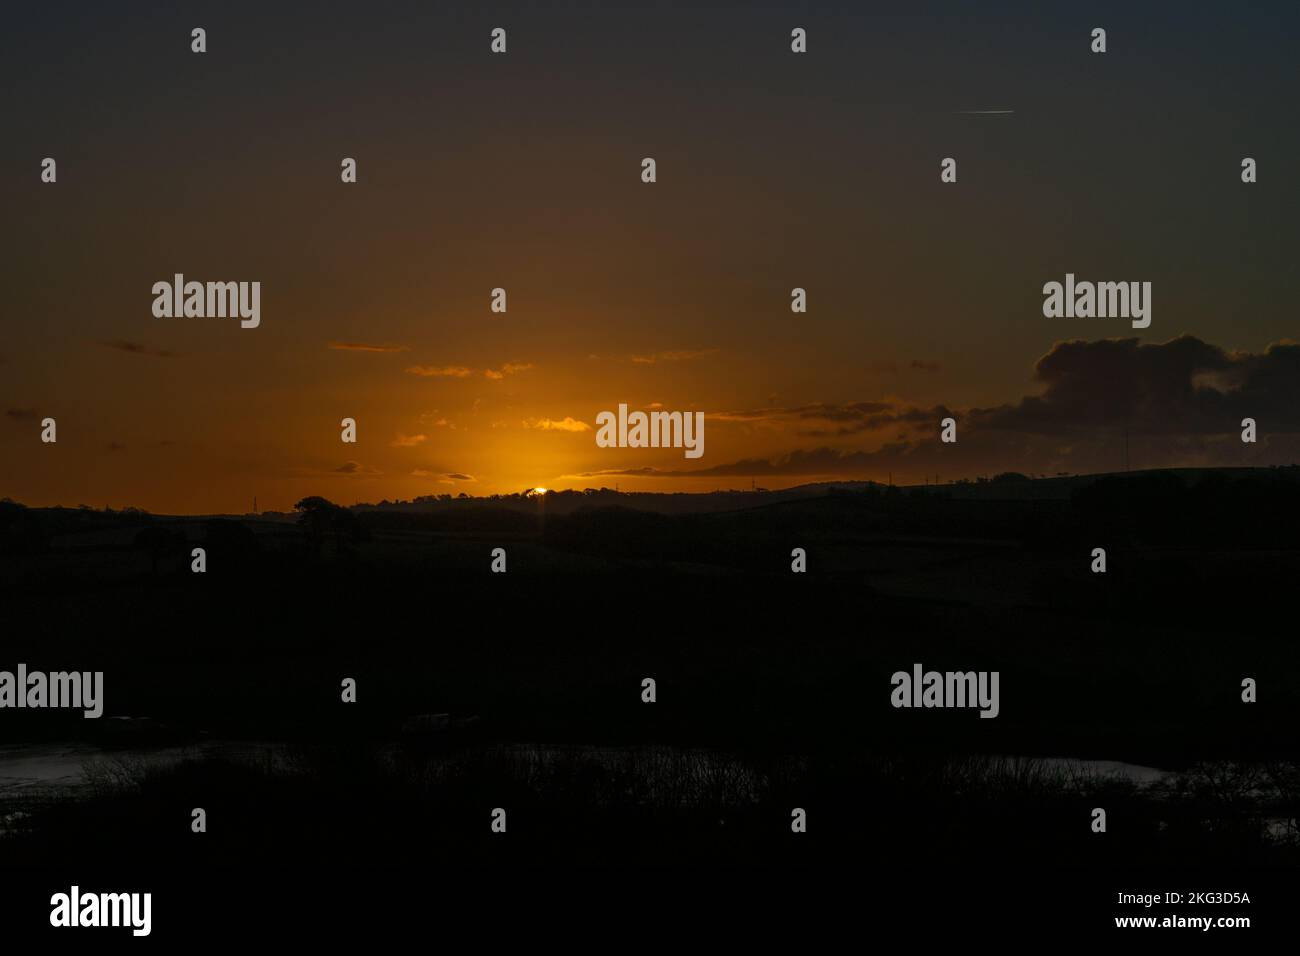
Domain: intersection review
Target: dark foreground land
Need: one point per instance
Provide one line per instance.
(522, 690)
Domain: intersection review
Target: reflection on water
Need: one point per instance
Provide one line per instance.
(48, 770)
(36, 776)
(1074, 767)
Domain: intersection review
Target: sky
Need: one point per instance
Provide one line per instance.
(522, 171)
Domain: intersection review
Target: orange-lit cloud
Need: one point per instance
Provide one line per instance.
(443, 371)
(566, 424)
(408, 441)
(510, 368)
(679, 356)
(363, 347)
(801, 463)
(821, 419)
(357, 469)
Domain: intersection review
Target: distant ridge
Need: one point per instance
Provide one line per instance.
(1007, 486)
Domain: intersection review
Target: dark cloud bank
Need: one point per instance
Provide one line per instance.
(1103, 405)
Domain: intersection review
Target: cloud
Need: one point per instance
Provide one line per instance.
(1174, 404)
(1183, 386)
(441, 371)
(135, 348)
(114, 446)
(446, 478)
(802, 463)
(825, 419)
(462, 371)
(678, 356)
(565, 424)
(510, 368)
(22, 414)
(435, 419)
(364, 347)
(408, 441)
(355, 468)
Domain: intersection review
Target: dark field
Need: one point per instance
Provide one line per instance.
(773, 687)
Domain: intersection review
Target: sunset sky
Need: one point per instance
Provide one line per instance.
(522, 171)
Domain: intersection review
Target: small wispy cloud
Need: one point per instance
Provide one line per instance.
(136, 348)
(366, 347)
(22, 414)
(510, 368)
(441, 371)
(445, 477)
(682, 355)
(464, 371)
(408, 441)
(566, 424)
(355, 468)
(436, 419)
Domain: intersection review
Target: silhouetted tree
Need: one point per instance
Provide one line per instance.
(320, 516)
